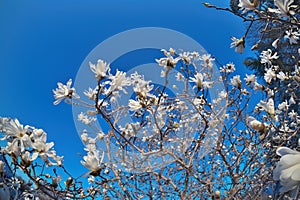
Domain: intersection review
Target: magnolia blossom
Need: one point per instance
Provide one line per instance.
(17, 135)
(26, 159)
(293, 115)
(168, 62)
(43, 149)
(267, 57)
(93, 161)
(134, 105)
(64, 92)
(85, 119)
(223, 94)
(239, 44)
(250, 79)
(236, 81)
(186, 57)
(283, 7)
(287, 170)
(247, 5)
(100, 70)
(208, 60)
(84, 137)
(293, 37)
(141, 87)
(56, 180)
(91, 93)
(282, 76)
(228, 68)
(269, 75)
(118, 82)
(267, 106)
(255, 124)
(198, 79)
(283, 106)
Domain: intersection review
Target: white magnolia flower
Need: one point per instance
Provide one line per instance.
(267, 57)
(17, 133)
(283, 106)
(287, 170)
(84, 137)
(269, 75)
(267, 106)
(118, 82)
(257, 86)
(239, 44)
(236, 81)
(42, 148)
(228, 68)
(100, 70)
(50, 156)
(255, 124)
(186, 57)
(92, 161)
(101, 135)
(284, 7)
(281, 75)
(223, 94)
(12, 148)
(26, 159)
(247, 5)
(198, 79)
(195, 55)
(85, 119)
(142, 88)
(293, 37)
(250, 79)
(91, 93)
(208, 60)
(134, 105)
(64, 92)
(168, 62)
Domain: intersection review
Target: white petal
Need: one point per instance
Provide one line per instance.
(285, 175)
(281, 151)
(296, 174)
(290, 160)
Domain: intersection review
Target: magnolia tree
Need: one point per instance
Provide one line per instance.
(187, 144)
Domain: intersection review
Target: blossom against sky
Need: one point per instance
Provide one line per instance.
(45, 42)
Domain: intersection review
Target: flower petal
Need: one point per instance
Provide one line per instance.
(281, 151)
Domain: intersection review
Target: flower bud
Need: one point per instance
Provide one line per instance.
(217, 194)
(1, 166)
(69, 182)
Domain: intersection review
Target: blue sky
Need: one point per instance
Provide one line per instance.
(43, 42)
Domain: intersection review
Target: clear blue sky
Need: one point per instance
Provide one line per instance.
(43, 42)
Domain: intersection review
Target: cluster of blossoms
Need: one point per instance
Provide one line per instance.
(25, 144)
(282, 82)
(204, 136)
(163, 124)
